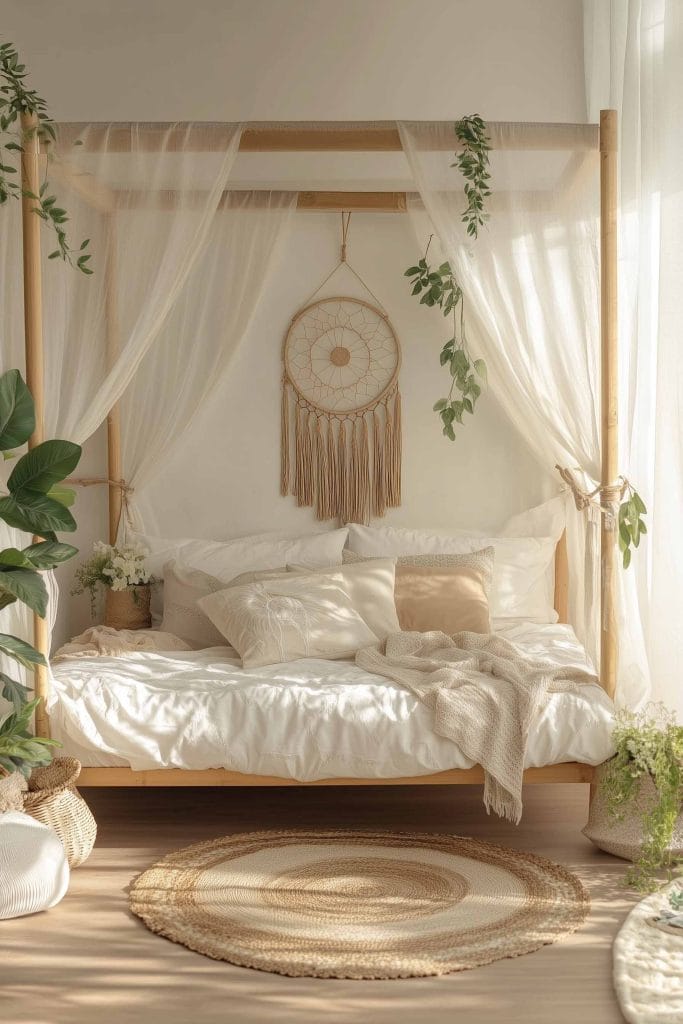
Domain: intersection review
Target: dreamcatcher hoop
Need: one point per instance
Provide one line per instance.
(341, 361)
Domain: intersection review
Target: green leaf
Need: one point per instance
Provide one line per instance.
(48, 554)
(27, 586)
(13, 691)
(639, 504)
(410, 272)
(449, 432)
(45, 465)
(36, 513)
(17, 412)
(627, 558)
(64, 495)
(441, 404)
(20, 651)
(480, 367)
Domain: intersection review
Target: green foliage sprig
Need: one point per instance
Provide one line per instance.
(631, 524)
(36, 503)
(16, 99)
(438, 287)
(648, 743)
(473, 163)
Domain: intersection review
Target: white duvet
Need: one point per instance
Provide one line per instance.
(309, 719)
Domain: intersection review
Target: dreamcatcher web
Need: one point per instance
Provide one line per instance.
(341, 355)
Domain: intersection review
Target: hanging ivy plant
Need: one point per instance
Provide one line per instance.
(16, 99)
(437, 286)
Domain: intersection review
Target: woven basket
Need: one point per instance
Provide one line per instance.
(128, 609)
(53, 799)
(12, 789)
(624, 838)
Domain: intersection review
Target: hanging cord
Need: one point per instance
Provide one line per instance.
(343, 262)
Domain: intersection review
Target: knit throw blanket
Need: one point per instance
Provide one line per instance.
(484, 694)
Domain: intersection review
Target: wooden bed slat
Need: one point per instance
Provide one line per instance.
(571, 771)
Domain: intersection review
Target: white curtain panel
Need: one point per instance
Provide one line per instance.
(531, 286)
(97, 329)
(634, 63)
(194, 349)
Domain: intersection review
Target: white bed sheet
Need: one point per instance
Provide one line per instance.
(310, 719)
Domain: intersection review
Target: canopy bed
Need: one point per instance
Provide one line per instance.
(220, 143)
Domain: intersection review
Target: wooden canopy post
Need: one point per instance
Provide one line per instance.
(33, 343)
(609, 392)
(114, 461)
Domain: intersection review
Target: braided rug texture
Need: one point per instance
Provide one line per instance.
(359, 905)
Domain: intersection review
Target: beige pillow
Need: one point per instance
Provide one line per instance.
(281, 620)
(482, 561)
(449, 599)
(370, 585)
(182, 589)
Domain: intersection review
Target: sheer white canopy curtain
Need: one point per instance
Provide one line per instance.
(634, 63)
(200, 336)
(532, 301)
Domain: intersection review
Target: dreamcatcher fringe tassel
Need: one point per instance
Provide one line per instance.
(338, 468)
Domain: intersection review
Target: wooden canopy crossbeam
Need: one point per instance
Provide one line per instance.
(314, 137)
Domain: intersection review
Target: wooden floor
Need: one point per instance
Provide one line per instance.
(89, 961)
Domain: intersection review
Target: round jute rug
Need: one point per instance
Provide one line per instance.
(358, 904)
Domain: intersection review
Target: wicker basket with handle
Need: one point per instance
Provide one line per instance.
(53, 799)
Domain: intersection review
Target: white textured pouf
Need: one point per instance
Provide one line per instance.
(648, 967)
(34, 874)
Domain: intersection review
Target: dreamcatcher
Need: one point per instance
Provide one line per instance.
(341, 361)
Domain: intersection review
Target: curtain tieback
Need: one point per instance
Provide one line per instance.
(88, 481)
(605, 498)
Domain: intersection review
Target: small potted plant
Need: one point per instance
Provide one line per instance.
(637, 812)
(126, 581)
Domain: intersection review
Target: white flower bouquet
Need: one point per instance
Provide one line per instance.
(117, 568)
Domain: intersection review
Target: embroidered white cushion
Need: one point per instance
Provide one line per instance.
(227, 559)
(370, 585)
(284, 619)
(523, 576)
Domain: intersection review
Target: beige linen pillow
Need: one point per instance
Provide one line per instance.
(370, 585)
(281, 620)
(450, 599)
(182, 589)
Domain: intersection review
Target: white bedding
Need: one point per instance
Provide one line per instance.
(310, 719)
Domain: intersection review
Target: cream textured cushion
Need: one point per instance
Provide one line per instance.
(523, 583)
(370, 585)
(280, 620)
(449, 599)
(183, 587)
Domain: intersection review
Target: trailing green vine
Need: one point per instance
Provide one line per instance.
(631, 524)
(473, 163)
(16, 99)
(438, 286)
(648, 743)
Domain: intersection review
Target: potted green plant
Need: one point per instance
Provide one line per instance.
(637, 812)
(122, 572)
(36, 503)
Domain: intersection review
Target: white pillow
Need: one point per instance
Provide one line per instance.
(182, 616)
(523, 574)
(281, 620)
(227, 559)
(370, 585)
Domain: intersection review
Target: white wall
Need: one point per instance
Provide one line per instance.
(308, 60)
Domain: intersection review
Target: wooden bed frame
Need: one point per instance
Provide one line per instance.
(335, 137)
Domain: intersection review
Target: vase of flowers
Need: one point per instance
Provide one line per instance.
(122, 572)
(637, 811)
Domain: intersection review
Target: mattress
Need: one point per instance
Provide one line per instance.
(308, 719)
